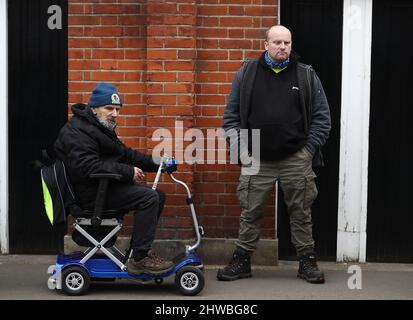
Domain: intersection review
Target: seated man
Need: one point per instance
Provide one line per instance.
(88, 144)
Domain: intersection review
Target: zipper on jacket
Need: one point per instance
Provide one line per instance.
(311, 100)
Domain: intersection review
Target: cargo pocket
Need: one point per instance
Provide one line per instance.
(310, 192)
(243, 191)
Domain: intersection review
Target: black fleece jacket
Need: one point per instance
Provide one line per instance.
(87, 147)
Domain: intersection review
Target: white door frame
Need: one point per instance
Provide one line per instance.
(354, 137)
(4, 172)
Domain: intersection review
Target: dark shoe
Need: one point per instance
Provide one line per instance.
(152, 264)
(239, 267)
(308, 269)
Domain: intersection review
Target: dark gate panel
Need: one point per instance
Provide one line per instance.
(317, 27)
(37, 62)
(390, 213)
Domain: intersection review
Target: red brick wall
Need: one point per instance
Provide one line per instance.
(172, 61)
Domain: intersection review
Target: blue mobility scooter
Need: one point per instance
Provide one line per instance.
(102, 261)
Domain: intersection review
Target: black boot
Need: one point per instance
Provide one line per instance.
(308, 269)
(239, 267)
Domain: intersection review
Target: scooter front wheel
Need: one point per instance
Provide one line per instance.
(189, 280)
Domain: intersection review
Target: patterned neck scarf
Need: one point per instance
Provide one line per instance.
(275, 65)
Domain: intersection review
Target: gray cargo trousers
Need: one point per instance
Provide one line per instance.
(297, 180)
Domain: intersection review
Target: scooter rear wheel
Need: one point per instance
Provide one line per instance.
(75, 281)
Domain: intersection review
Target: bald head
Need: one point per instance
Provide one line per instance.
(278, 43)
(275, 30)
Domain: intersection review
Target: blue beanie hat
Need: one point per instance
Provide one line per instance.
(104, 94)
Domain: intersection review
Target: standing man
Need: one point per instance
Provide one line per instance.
(88, 144)
(285, 100)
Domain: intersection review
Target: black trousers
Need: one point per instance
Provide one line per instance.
(147, 205)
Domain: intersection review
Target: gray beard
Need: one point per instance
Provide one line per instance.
(111, 125)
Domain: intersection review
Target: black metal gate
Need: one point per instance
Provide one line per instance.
(37, 80)
(316, 27)
(390, 213)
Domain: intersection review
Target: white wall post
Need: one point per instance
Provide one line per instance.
(354, 140)
(4, 183)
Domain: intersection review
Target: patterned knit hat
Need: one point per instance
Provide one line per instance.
(104, 94)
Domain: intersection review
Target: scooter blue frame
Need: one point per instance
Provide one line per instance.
(73, 272)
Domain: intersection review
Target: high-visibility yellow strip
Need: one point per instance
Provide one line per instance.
(48, 203)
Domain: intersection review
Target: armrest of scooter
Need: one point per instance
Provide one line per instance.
(104, 179)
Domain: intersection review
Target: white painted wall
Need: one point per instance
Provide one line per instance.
(354, 140)
(4, 184)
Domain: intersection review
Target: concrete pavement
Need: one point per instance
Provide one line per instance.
(23, 277)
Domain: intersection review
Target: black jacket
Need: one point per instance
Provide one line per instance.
(87, 147)
(313, 103)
